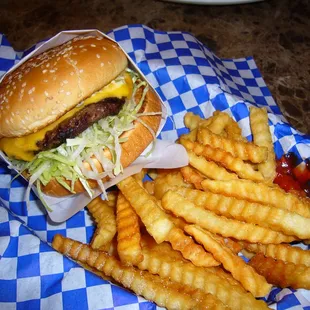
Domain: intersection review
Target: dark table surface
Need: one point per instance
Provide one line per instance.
(275, 32)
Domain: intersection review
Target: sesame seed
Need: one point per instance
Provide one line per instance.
(102, 64)
(45, 81)
(68, 93)
(41, 110)
(81, 71)
(65, 82)
(24, 84)
(7, 121)
(104, 48)
(46, 93)
(31, 90)
(31, 100)
(97, 55)
(61, 91)
(44, 71)
(52, 71)
(23, 121)
(47, 65)
(93, 45)
(71, 73)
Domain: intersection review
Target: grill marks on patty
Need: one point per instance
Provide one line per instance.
(72, 127)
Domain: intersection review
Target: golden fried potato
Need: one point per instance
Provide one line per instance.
(277, 219)
(160, 226)
(180, 206)
(192, 135)
(210, 280)
(251, 281)
(140, 176)
(128, 232)
(104, 215)
(262, 137)
(227, 160)
(219, 121)
(192, 176)
(192, 121)
(285, 252)
(280, 273)
(149, 186)
(162, 291)
(209, 168)
(259, 192)
(164, 182)
(234, 131)
(153, 217)
(244, 150)
(189, 249)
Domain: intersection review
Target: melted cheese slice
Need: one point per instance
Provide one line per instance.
(24, 148)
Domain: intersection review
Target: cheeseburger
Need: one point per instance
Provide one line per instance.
(76, 115)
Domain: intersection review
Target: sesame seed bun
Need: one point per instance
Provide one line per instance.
(48, 85)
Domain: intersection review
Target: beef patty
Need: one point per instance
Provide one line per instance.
(72, 127)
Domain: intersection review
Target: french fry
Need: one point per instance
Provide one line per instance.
(259, 192)
(206, 279)
(243, 150)
(280, 273)
(281, 220)
(104, 215)
(179, 206)
(284, 252)
(262, 137)
(219, 121)
(190, 175)
(247, 254)
(227, 160)
(209, 168)
(189, 249)
(153, 217)
(233, 245)
(149, 186)
(164, 182)
(140, 176)
(192, 121)
(192, 135)
(160, 226)
(234, 131)
(251, 281)
(164, 292)
(128, 232)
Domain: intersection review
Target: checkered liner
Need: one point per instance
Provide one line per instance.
(188, 77)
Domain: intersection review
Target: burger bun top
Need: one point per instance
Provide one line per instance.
(48, 85)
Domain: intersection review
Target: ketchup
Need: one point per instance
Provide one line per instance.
(293, 177)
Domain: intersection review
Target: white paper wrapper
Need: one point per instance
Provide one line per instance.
(65, 207)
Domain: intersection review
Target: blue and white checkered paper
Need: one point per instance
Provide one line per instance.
(188, 77)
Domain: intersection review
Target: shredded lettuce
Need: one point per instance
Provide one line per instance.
(66, 161)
